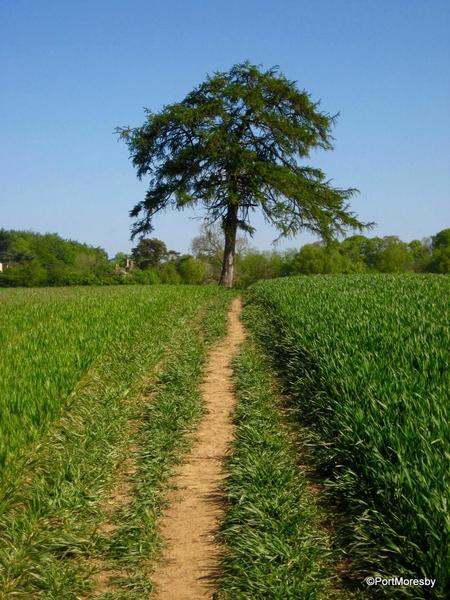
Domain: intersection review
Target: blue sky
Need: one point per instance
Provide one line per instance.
(71, 71)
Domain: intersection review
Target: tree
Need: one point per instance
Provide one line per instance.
(5, 238)
(210, 242)
(47, 259)
(149, 252)
(420, 255)
(393, 256)
(355, 248)
(254, 265)
(235, 144)
(120, 259)
(316, 258)
(440, 257)
(191, 270)
(209, 246)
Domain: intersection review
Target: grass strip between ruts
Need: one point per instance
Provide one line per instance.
(275, 545)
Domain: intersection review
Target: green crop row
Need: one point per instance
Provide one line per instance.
(275, 546)
(51, 338)
(366, 360)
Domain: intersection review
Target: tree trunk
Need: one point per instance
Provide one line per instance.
(229, 228)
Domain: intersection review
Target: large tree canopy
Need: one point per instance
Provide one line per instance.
(235, 144)
(149, 253)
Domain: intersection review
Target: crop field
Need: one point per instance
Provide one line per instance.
(336, 464)
(50, 338)
(365, 360)
(76, 363)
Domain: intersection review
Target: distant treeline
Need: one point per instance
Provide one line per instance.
(32, 259)
(356, 254)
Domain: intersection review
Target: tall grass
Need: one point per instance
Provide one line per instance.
(50, 338)
(51, 538)
(275, 544)
(367, 360)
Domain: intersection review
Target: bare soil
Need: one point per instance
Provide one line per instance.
(191, 556)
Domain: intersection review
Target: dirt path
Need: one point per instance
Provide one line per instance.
(191, 557)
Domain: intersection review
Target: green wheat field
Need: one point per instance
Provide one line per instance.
(347, 374)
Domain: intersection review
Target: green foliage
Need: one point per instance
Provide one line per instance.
(316, 258)
(357, 250)
(168, 273)
(275, 547)
(310, 259)
(235, 144)
(56, 335)
(120, 259)
(34, 259)
(55, 492)
(191, 270)
(440, 258)
(355, 254)
(252, 266)
(149, 252)
(393, 256)
(366, 359)
(237, 139)
(148, 276)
